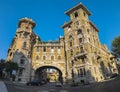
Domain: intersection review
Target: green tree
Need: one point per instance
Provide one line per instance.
(116, 46)
(10, 66)
(2, 67)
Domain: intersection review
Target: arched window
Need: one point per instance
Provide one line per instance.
(44, 49)
(84, 14)
(88, 31)
(79, 31)
(52, 57)
(37, 49)
(59, 49)
(24, 44)
(71, 52)
(22, 61)
(83, 60)
(59, 57)
(52, 49)
(80, 40)
(10, 53)
(69, 28)
(70, 36)
(70, 44)
(81, 72)
(76, 14)
(81, 49)
(89, 39)
(84, 71)
(20, 35)
(37, 57)
(25, 35)
(44, 57)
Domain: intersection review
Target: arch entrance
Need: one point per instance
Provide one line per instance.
(49, 73)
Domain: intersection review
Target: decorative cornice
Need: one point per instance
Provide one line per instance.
(66, 24)
(80, 5)
(94, 26)
(27, 20)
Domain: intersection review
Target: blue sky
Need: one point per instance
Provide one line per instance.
(49, 16)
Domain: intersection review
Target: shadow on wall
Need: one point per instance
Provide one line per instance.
(27, 73)
(105, 72)
(24, 67)
(81, 78)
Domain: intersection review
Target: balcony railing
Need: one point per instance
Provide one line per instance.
(81, 53)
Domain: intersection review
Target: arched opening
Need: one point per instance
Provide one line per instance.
(48, 73)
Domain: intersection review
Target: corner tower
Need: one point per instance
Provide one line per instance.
(20, 50)
(24, 38)
(83, 48)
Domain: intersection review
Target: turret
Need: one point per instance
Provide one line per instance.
(24, 38)
(78, 11)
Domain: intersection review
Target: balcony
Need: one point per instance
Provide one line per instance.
(98, 56)
(80, 54)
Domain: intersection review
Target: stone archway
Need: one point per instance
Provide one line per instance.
(41, 73)
(38, 70)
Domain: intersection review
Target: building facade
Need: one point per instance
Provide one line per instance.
(78, 55)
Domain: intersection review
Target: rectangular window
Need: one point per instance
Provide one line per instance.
(77, 23)
(59, 57)
(84, 71)
(27, 27)
(70, 36)
(80, 40)
(89, 39)
(81, 72)
(76, 14)
(52, 57)
(83, 60)
(10, 53)
(52, 49)
(37, 57)
(24, 44)
(44, 49)
(70, 44)
(22, 61)
(88, 31)
(69, 28)
(84, 14)
(44, 58)
(20, 72)
(95, 69)
(37, 49)
(20, 35)
(81, 49)
(25, 35)
(79, 31)
(71, 53)
(59, 49)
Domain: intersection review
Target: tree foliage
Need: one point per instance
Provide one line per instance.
(2, 66)
(7, 67)
(116, 46)
(11, 66)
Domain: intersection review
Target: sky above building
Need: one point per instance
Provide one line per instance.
(49, 17)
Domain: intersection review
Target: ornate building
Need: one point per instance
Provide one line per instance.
(78, 55)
